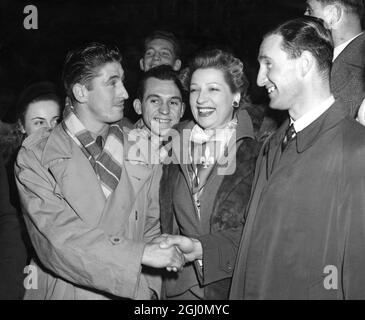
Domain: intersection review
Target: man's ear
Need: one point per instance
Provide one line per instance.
(182, 111)
(137, 105)
(141, 64)
(177, 65)
(306, 63)
(80, 93)
(333, 14)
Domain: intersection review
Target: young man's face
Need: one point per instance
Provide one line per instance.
(106, 96)
(158, 52)
(278, 74)
(162, 105)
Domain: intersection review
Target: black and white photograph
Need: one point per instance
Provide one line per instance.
(181, 155)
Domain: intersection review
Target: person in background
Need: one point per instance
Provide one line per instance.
(13, 255)
(343, 19)
(158, 48)
(38, 106)
(161, 47)
(160, 105)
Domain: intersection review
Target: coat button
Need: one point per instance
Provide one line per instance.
(229, 267)
(115, 240)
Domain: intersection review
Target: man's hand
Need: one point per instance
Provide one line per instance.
(191, 248)
(157, 257)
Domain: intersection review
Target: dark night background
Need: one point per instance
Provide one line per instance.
(33, 55)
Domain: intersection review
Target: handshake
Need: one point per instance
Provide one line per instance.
(171, 252)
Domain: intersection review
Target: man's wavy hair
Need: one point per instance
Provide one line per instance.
(307, 34)
(232, 68)
(84, 63)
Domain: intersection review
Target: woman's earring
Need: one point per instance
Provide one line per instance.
(235, 104)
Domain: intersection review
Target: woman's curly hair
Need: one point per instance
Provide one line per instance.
(232, 68)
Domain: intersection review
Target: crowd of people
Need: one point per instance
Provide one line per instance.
(226, 205)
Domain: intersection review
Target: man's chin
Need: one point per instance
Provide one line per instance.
(116, 118)
(275, 105)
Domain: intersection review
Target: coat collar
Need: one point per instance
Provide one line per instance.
(76, 181)
(309, 135)
(352, 54)
(57, 147)
(244, 129)
(180, 143)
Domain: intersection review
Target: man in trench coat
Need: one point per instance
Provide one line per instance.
(89, 198)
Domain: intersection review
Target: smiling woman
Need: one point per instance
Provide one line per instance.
(206, 202)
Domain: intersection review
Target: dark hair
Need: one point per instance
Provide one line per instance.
(168, 36)
(354, 6)
(162, 72)
(39, 91)
(232, 68)
(83, 64)
(307, 34)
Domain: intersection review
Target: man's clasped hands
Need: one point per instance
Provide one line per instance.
(171, 252)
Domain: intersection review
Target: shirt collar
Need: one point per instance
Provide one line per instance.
(312, 115)
(337, 50)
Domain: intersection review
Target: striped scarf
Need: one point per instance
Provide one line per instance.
(107, 161)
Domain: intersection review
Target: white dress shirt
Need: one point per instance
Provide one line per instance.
(342, 46)
(309, 117)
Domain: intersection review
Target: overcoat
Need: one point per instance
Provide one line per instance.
(304, 236)
(87, 247)
(222, 210)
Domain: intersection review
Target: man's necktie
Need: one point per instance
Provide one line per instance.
(290, 135)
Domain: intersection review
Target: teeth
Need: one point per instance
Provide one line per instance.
(271, 90)
(205, 110)
(162, 120)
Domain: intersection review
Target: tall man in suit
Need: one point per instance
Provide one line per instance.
(343, 19)
(90, 201)
(304, 233)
